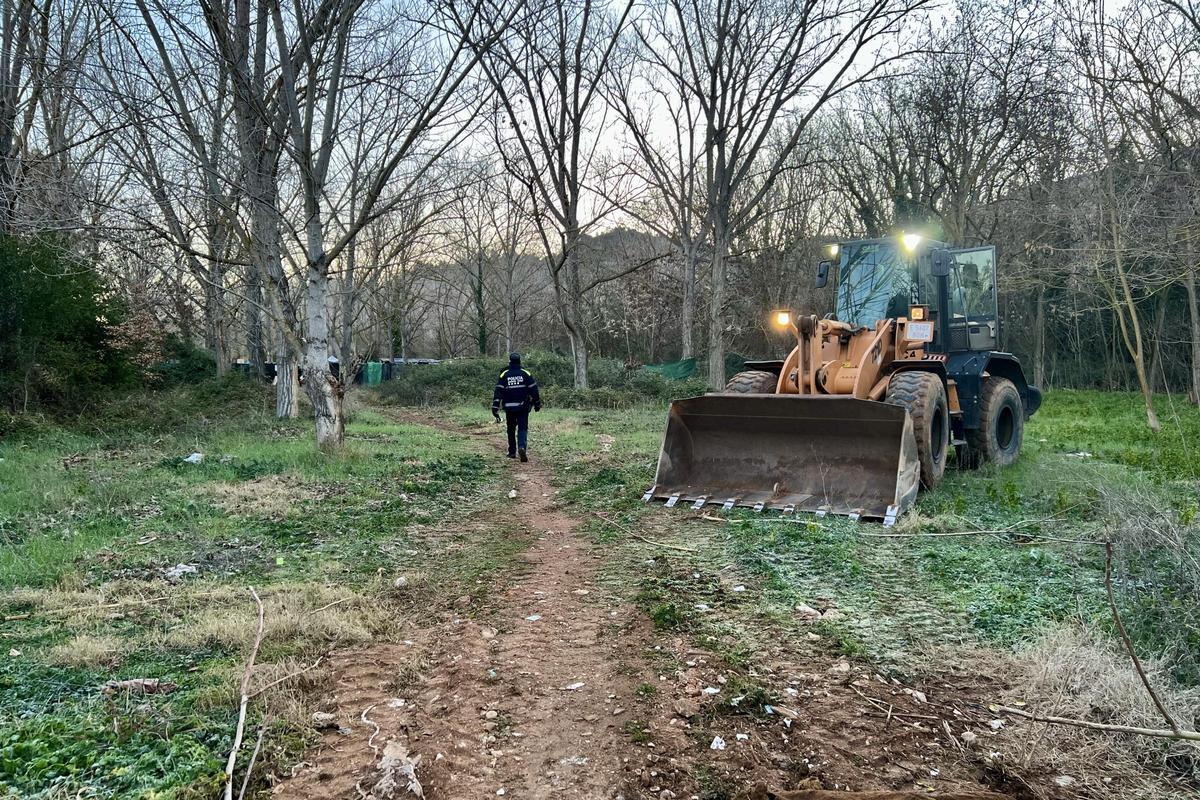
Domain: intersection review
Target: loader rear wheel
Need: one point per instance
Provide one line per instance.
(753, 381)
(924, 395)
(1001, 425)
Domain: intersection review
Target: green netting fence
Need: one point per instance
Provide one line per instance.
(674, 370)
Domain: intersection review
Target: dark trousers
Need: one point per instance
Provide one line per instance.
(518, 429)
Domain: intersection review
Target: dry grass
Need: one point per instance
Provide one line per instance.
(309, 617)
(1073, 672)
(87, 650)
(275, 496)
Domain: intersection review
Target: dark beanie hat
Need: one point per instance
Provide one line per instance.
(514, 358)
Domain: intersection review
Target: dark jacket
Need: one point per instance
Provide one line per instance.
(516, 391)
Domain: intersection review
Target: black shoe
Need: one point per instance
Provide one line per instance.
(522, 454)
(512, 455)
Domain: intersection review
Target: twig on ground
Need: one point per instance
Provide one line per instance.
(114, 604)
(1137, 664)
(73, 609)
(373, 724)
(890, 711)
(328, 606)
(639, 537)
(1190, 736)
(287, 677)
(250, 767)
(240, 730)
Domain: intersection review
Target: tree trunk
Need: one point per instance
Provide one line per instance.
(324, 389)
(346, 346)
(687, 316)
(254, 325)
(1131, 326)
(287, 383)
(510, 323)
(1039, 340)
(481, 330)
(1157, 378)
(569, 298)
(1194, 316)
(214, 317)
(716, 311)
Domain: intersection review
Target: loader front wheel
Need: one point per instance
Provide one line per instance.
(753, 381)
(1001, 425)
(924, 395)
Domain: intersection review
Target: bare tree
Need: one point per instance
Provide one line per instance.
(665, 133)
(402, 72)
(750, 68)
(547, 72)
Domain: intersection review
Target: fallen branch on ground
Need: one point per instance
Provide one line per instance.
(639, 537)
(115, 604)
(250, 767)
(1189, 736)
(240, 730)
(328, 606)
(73, 609)
(1137, 664)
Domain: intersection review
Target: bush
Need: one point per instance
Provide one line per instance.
(54, 320)
(183, 363)
(470, 380)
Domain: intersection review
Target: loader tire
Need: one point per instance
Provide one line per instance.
(752, 381)
(1001, 425)
(924, 395)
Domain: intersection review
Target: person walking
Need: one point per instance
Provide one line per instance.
(516, 392)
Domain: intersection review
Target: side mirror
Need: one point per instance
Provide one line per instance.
(942, 263)
(823, 274)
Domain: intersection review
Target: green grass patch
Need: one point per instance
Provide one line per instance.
(104, 510)
(898, 597)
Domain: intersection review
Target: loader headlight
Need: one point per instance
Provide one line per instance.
(910, 241)
(783, 318)
(916, 313)
(833, 250)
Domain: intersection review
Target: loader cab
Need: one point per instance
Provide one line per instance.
(883, 278)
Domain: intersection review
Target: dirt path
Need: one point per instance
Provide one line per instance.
(551, 687)
(527, 696)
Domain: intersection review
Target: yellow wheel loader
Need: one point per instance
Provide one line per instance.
(863, 411)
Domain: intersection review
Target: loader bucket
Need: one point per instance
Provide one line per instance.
(791, 453)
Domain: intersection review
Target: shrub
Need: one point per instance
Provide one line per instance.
(470, 380)
(54, 328)
(183, 363)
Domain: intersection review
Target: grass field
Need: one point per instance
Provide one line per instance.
(120, 560)
(1088, 465)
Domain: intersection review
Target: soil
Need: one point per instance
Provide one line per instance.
(555, 687)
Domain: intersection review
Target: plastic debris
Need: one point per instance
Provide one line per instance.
(194, 458)
(717, 743)
(179, 570)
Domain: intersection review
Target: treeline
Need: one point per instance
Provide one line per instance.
(636, 179)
